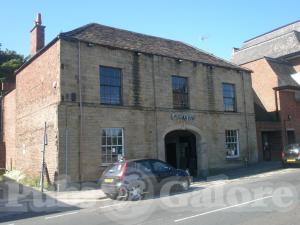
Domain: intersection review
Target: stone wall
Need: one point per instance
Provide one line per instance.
(147, 105)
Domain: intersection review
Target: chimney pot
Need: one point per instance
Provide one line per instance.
(38, 20)
(37, 35)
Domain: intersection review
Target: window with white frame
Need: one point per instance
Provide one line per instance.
(232, 143)
(112, 145)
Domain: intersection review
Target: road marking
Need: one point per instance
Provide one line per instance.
(107, 206)
(60, 215)
(86, 200)
(221, 209)
(104, 207)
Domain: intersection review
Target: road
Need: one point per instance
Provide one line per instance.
(271, 198)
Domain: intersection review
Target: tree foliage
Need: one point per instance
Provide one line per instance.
(9, 62)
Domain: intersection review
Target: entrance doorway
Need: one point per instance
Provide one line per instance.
(271, 145)
(180, 148)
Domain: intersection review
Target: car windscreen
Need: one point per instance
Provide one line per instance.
(292, 147)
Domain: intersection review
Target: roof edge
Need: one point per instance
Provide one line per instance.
(65, 36)
(287, 87)
(238, 67)
(40, 52)
(278, 28)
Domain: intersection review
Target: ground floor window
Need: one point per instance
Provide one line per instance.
(232, 143)
(112, 145)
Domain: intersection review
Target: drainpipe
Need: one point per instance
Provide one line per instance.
(155, 106)
(66, 141)
(282, 121)
(276, 104)
(246, 119)
(80, 118)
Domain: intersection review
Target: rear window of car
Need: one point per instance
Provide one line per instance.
(292, 147)
(114, 169)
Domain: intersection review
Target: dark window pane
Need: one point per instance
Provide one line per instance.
(144, 166)
(119, 140)
(229, 97)
(160, 167)
(180, 92)
(103, 140)
(110, 85)
(114, 158)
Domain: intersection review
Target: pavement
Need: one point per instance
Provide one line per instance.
(245, 196)
(80, 196)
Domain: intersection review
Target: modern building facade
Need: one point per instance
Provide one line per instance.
(274, 58)
(106, 93)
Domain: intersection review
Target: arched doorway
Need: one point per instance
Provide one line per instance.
(180, 150)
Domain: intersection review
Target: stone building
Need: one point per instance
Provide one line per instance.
(106, 92)
(274, 58)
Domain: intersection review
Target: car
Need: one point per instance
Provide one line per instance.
(291, 154)
(134, 179)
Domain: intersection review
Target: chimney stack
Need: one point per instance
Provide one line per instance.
(37, 36)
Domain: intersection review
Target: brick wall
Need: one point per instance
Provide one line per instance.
(262, 126)
(9, 131)
(2, 156)
(290, 107)
(263, 81)
(37, 95)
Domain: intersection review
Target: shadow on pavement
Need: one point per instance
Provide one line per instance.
(242, 172)
(21, 202)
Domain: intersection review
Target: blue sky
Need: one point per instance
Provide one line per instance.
(214, 26)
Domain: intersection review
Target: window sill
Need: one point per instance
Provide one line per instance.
(181, 108)
(107, 104)
(233, 157)
(105, 164)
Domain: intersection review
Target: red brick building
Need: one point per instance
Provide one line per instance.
(274, 58)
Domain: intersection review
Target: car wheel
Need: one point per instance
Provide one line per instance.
(184, 185)
(122, 194)
(112, 196)
(135, 193)
(284, 165)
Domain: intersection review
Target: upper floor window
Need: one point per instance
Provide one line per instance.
(180, 92)
(229, 97)
(110, 85)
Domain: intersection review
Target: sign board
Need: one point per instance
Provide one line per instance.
(182, 116)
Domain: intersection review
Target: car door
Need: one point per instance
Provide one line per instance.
(147, 175)
(164, 173)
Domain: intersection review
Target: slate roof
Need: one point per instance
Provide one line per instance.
(278, 47)
(277, 43)
(123, 39)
